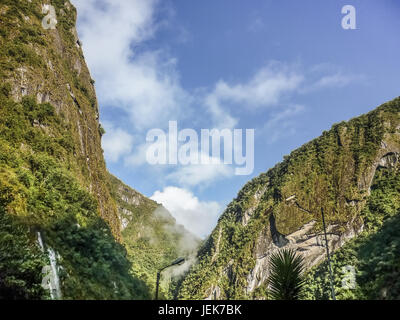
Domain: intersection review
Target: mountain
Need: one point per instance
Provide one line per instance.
(351, 172)
(71, 230)
(152, 237)
(64, 221)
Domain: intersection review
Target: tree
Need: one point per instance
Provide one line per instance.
(286, 279)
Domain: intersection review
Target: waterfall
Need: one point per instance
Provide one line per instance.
(51, 280)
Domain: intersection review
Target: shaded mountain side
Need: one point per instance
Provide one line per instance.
(152, 237)
(282, 207)
(55, 205)
(49, 66)
(41, 197)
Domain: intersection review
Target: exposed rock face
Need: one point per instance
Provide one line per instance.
(387, 157)
(310, 244)
(215, 293)
(129, 201)
(250, 211)
(57, 74)
(389, 160)
(282, 208)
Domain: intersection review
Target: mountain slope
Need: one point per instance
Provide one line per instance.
(49, 66)
(282, 208)
(55, 206)
(152, 237)
(374, 254)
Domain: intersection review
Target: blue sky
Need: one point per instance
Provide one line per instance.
(284, 68)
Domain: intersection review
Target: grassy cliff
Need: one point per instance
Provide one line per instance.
(40, 191)
(49, 66)
(374, 254)
(282, 207)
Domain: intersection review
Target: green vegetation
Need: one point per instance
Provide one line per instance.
(375, 253)
(102, 131)
(333, 171)
(49, 66)
(21, 261)
(286, 278)
(152, 237)
(38, 193)
(53, 178)
(19, 50)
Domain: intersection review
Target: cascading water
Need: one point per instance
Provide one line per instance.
(51, 280)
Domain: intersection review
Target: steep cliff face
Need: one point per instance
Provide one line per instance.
(48, 65)
(59, 225)
(152, 237)
(282, 208)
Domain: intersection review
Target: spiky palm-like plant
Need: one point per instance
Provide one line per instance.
(286, 280)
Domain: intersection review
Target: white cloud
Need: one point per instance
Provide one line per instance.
(144, 84)
(191, 175)
(116, 143)
(256, 25)
(265, 89)
(197, 216)
(327, 75)
(281, 124)
(220, 115)
(138, 157)
(210, 170)
(337, 80)
(194, 175)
